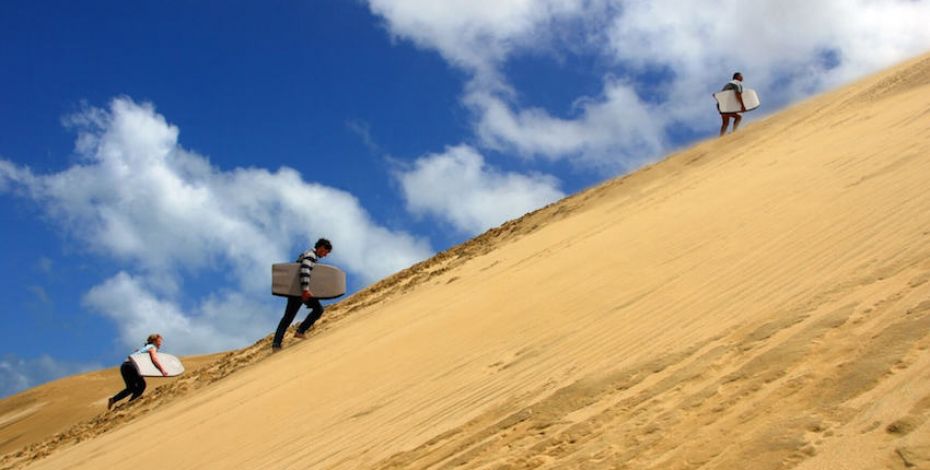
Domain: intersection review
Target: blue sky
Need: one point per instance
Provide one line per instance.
(156, 157)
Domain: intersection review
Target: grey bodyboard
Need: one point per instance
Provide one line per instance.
(326, 282)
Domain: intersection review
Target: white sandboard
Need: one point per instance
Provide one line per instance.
(727, 102)
(326, 282)
(146, 368)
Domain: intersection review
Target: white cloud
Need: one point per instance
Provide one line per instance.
(18, 374)
(139, 197)
(221, 321)
(458, 187)
(680, 52)
(475, 34)
(786, 49)
(596, 137)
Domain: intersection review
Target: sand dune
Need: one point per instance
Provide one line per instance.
(758, 301)
(30, 417)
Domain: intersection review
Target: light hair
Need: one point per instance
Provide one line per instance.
(152, 337)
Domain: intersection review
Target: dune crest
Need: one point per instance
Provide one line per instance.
(758, 301)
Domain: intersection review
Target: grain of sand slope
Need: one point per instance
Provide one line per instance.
(758, 301)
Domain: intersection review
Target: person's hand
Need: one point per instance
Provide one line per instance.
(742, 108)
(306, 295)
(164, 374)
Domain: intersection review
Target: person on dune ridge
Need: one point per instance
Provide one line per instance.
(736, 84)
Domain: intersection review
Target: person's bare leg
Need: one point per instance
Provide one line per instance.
(726, 123)
(736, 121)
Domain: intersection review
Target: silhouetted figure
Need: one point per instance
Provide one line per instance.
(307, 259)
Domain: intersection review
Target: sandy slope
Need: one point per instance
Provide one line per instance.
(35, 414)
(759, 301)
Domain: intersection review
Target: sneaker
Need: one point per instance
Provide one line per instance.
(110, 403)
(299, 335)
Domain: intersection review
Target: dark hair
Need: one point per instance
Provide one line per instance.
(737, 74)
(323, 243)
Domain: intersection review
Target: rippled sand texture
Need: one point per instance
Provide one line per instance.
(758, 301)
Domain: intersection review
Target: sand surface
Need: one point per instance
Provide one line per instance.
(31, 416)
(758, 301)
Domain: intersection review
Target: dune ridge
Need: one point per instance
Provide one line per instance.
(758, 301)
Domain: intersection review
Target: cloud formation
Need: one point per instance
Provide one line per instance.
(162, 212)
(458, 187)
(666, 57)
(220, 321)
(787, 49)
(475, 34)
(618, 130)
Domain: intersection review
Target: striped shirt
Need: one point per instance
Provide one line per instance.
(307, 260)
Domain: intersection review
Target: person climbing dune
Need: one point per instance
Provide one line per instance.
(736, 84)
(307, 260)
(135, 383)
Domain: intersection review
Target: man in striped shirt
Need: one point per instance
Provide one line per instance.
(307, 259)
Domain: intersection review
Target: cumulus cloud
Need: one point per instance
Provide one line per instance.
(475, 34)
(458, 187)
(677, 54)
(617, 128)
(18, 374)
(786, 49)
(136, 196)
(220, 321)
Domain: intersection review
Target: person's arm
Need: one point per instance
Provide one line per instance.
(155, 361)
(739, 97)
(306, 266)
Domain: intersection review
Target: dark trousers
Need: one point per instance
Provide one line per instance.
(293, 305)
(135, 384)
